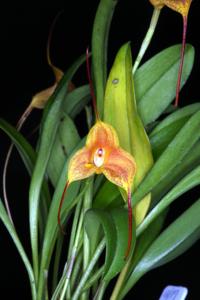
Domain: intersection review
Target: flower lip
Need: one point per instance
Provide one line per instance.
(99, 157)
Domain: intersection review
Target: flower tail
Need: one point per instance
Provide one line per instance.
(181, 60)
(130, 224)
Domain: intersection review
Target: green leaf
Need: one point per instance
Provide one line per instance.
(142, 244)
(155, 81)
(49, 129)
(188, 182)
(100, 34)
(171, 157)
(115, 228)
(145, 239)
(28, 156)
(6, 221)
(166, 130)
(93, 218)
(76, 101)
(25, 150)
(186, 111)
(120, 111)
(51, 229)
(107, 195)
(185, 165)
(171, 243)
(67, 138)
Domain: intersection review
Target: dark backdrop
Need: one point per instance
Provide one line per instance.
(24, 71)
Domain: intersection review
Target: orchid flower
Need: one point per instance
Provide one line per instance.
(102, 154)
(182, 7)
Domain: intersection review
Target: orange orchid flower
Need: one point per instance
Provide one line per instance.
(182, 7)
(102, 154)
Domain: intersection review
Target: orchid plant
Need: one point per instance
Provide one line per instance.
(98, 204)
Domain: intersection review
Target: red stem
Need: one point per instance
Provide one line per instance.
(181, 61)
(130, 226)
(60, 206)
(94, 102)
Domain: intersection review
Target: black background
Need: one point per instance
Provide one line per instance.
(24, 71)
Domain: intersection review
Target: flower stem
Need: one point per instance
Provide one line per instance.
(93, 279)
(73, 257)
(58, 251)
(120, 281)
(100, 292)
(74, 228)
(86, 243)
(89, 269)
(76, 272)
(148, 37)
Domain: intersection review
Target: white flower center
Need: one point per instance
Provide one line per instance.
(99, 157)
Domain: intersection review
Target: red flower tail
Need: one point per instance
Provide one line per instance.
(181, 61)
(130, 226)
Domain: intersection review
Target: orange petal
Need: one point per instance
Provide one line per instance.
(102, 135)
(80, 165)
(120, 168)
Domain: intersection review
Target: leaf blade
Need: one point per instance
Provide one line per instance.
(100, 34)
(49, 129)
(155, 81)
(115, 227)
(171, 157)
(172, 242)
(19, 246)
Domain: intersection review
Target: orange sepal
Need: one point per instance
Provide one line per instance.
(102, 135)
(40, 99)
(120, 168)
(80, 165)
(181, 6)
